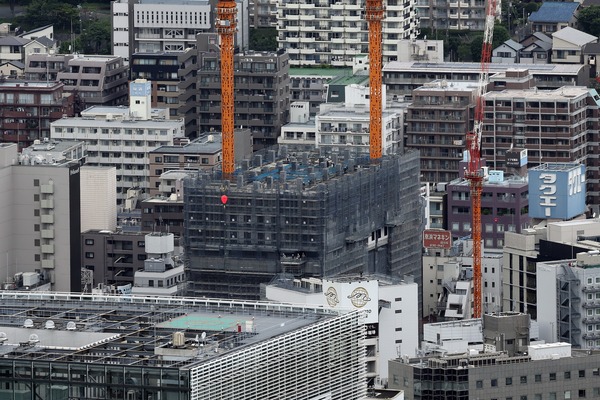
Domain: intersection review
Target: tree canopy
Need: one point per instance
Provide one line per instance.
(45, 12)
(589, 20)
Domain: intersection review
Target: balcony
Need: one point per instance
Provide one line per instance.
(47, 189)
(47, 264)
(47, 203)
(47, 218)
(47, 233)
(48, 249)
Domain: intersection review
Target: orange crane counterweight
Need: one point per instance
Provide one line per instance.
(375, 13)
(226, 27)
(474, 172)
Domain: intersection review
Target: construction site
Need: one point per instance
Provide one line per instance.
(307, 214)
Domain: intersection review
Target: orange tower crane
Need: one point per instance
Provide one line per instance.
(226, 27)
(474, 172)
(375, 13)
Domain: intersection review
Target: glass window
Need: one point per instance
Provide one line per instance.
(479, 384)
(508, 381)
(523, 379)
(567, 374)
(552, 376)
(494, 382)
(538, 377)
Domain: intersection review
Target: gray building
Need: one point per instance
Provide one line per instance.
(40, 216)
(261, 92)
(551, 371)
(306, 214)
(97, 80)
(135, 347)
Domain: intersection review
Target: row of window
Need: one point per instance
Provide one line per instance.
(538, 378)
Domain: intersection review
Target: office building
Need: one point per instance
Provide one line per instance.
(135, 347)
(381, 298)
(332, 33)
(122, 137)
(547, 371)
(335, 213)
(40, 213)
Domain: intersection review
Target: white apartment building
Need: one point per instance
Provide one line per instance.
(390, 312)
(347, 124)
(301, 131)
(122, 137)
(154, 25)
(333, 32)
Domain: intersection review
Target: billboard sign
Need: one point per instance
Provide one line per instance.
(437, 239)
(358, 295)
(516, 158)
(557, 190)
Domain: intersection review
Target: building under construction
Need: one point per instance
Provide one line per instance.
(308, 214)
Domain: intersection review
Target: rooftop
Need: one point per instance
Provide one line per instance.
(320, 72)
(206, 144)
(475, 68)
(554, 12)
(554, 166)
(136, 330)
(534, 93)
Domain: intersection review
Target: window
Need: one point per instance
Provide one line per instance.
(89, 242)
(538, 377)
(567, 374)
(567, 394)
(36, 182)
(479, 384)
(141, 243)
(523, 379)
(582, 373)
(37, 257)
(552, 376)
(89, 254)
(596, 371)
(141, 257)
(151, 283)
(36, 227)
(494, 382)
(508, 381)
(36, 242)
(581, 393)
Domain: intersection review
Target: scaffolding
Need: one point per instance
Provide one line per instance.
(307, 214)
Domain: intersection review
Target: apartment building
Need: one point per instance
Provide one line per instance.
(325, 32)
(122, 137)
(436, 123)
(557, 126)
(28, 108)
(149, 26)
(40, 213)
(97, 79)
(451, 15)
(401, 78)
(162, 69)
(261, 92)
(311, 84)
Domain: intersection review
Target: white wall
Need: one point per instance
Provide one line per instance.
(546, 301)
(98, 198)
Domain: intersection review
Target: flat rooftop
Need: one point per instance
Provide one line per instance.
(475, 68)
(562, 93)
(140, 330)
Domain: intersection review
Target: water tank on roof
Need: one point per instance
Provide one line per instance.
(178, 339)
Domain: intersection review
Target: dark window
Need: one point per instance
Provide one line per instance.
(37, 257)
(567, 374)
(36, 242)
(36, 197)
(508, 381)
(89, 242)
(479, 384)
(538, 377)
(36, 212)
(581, 393)
(151, 283)
(36, 182)
(36, 227)
(494, 382)
(89, 254)
(582, 373)
(523, 379)
(552, 376)
(141, 243)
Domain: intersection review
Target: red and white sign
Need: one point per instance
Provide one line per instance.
(437, 239)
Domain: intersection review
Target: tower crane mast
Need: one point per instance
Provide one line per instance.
(474, 172)
(226, 28)
(375, 13)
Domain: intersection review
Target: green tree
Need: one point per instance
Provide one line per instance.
(589, 20)
(44, 12)
(263, 39)
(500, 36)
(95, 38)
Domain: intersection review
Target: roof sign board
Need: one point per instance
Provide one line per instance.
(557, 190)
(437, 239)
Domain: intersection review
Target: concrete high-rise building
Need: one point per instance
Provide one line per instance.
(150, 26)
(122, 137)
(441, 16)
(178, 348)
(328, 32)
(307, 214)
(381, 298)
(40, 215)
(261, 92)
(436, 123)
(98, 198)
